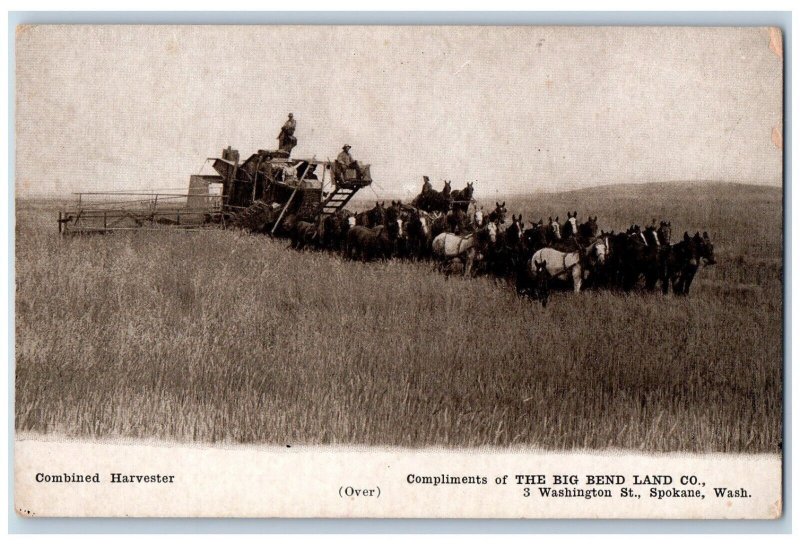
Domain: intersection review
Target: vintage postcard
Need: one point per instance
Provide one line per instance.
(377, 271)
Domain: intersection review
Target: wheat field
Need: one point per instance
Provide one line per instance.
(221, 336)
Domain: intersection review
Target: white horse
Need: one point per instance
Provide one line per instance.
(572, 221)
(562, 264)
(425, 221)
(477, 218)
(401, 231)
(447, 246)
(555, 227)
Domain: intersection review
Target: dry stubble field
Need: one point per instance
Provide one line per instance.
(223, 336)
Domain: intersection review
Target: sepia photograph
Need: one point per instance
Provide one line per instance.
(457, 271)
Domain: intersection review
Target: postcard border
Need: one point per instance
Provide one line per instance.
(782, 20)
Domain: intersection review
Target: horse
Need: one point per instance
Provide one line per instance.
(334, 229)
(302, 234)
(664, 233)
(402, 247)
(367, 243)
(477, 218)
(650, 235)
(564, 264)
(381, 240)
(434, 201)
(498, 215)
(392, 215)
(461, 198)
(636, 231)
(442, 201)
(448, 246)
(446, 190)
(534, 281)
(372, 217)
(605, 275)
(683, 261)
(536, 237)
(286, 226)
(506, 255)
(588, 229)
(515, 230)
(457, 221)
(438, 223)
(401, 208)
(515, 240)
(553, 231)
(418, 234)
(377, 215)
(570, 226)
(632, 257)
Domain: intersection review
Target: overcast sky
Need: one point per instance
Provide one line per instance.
(515, 109)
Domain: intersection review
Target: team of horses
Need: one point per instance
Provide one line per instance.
(534, 255)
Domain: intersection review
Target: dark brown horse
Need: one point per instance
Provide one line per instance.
(650, 235)
(458, 221)
(553, 230)
(533, 280)
(510, 251)
(434, 201)
(570, 228)
(588, 229)
(630, 258)
(373, 217)
(286, 226)
(664, 233)
(536, 237)
(377, 242)
(366, 243)
(417, 228)
(683, 261)
(462, 198)
(334, 229)
(498, 215)
(303, 233)
(514, 233)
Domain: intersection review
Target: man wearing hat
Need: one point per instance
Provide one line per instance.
(286, 138)
(344, 161)
(426, 184)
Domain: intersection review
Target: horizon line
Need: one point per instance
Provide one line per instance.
(383, 193)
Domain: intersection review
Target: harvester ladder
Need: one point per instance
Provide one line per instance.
(336, 200)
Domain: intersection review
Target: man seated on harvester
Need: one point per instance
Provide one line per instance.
(348, 170)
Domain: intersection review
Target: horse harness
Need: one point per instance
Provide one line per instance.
(582, 257)
(460, 240)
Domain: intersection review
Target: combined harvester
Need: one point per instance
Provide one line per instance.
(256, 194)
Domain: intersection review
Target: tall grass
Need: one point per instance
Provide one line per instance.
(223, 336)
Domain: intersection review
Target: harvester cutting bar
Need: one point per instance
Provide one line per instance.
(97, 212)
(94, 221)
